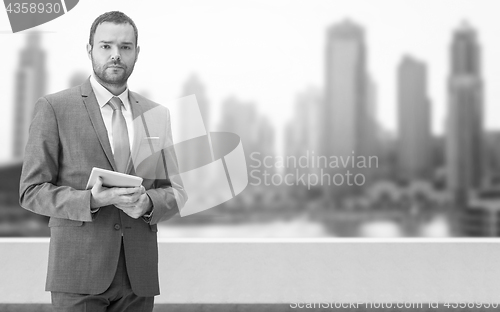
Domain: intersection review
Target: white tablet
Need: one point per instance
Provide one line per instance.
(112, 179)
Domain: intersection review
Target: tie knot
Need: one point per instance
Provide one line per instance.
(116, 103)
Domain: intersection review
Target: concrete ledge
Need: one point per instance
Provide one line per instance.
(247, 272)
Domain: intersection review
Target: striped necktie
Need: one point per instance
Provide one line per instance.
(121, 144)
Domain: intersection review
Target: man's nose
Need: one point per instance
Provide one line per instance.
(115, 55)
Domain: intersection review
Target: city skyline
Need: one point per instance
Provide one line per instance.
(280, 69)
(337, 117)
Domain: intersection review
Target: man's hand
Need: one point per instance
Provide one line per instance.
(103, 196)
(139, 208)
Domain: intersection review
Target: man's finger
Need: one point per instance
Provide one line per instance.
(130, 200)
(98, 184)
(127, 190)
(130, 197)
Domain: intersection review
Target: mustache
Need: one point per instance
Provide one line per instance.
(116, 64)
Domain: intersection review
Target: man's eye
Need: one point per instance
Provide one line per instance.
(126, 47)
(105, 46)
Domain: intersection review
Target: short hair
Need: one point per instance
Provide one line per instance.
(114, 17)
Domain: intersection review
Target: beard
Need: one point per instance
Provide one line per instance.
(112, 73)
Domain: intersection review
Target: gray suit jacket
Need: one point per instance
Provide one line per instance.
(67, 138)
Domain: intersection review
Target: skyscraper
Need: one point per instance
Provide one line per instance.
(241, 118)
(414, 144)
(255, 130)
(345, 116)
(30, 85)
(345, 92)
(194, 86)
(196, 153)
(464, 154)
(492, 148)
(303, 131)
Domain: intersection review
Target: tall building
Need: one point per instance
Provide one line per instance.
(492, 148)
(464, 154)
(345, 116)
(241, 118)
(265, 137)
(255, 130)
(194, 86)
(414, 121)
(302, 133)
(196, 152)
(371, 137)
(30, 85)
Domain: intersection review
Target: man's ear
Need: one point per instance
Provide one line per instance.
(89, 51)
(137, 53)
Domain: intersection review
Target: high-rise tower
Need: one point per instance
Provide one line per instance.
(345, 108)
(30, 85)
(464, 153)
(345, 121)
(414, 145)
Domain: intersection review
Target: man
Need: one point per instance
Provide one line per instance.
(103, 252)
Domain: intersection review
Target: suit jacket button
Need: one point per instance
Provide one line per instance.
(117, 226)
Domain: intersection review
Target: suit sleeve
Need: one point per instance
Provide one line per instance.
(39, 190)
(168, 194)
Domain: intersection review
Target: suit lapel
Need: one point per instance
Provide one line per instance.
(95, 115)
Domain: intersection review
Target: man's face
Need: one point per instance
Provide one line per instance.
(113, 53)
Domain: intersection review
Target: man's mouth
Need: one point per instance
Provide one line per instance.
(115, 66)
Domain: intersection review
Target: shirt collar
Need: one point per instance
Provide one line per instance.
(103, 95)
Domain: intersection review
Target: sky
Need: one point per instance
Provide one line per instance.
(265, 52)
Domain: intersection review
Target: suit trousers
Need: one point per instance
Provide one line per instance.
(117, 298)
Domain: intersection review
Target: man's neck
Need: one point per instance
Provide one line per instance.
(115, 89)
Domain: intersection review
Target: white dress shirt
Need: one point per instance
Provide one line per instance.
(103, 96)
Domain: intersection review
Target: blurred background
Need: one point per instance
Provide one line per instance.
(357, 118)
